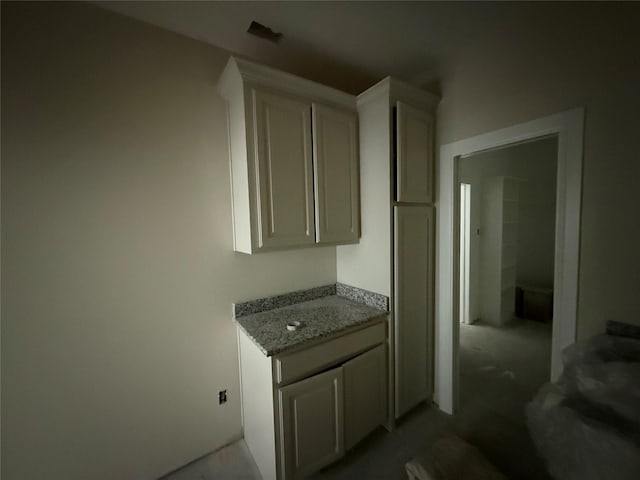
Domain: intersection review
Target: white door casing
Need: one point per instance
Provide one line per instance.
(465, 244)
(568, 126)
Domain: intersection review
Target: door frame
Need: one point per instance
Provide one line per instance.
(465, 260)
(569, 127)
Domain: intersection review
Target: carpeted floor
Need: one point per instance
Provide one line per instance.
(500, 368)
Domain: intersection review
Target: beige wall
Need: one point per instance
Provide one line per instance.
(544, 62)
(117, 266)
(356, 264)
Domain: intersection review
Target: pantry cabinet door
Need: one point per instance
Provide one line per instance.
(414, 294)
(284, 172)
(336, 176)
(414, 155)
(311, 423)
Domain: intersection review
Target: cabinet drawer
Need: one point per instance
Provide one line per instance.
(296, 365)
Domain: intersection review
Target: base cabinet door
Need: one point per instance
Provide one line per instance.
(311, 423)
(365, 394)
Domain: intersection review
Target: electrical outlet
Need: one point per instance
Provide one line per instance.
(222, 396)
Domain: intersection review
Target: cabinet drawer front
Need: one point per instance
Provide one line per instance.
(313, 359)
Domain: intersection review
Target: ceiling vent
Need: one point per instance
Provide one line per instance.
(262, 31)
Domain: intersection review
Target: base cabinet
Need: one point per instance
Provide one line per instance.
(297, 423)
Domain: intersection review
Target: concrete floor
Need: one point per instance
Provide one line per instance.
(500, 369)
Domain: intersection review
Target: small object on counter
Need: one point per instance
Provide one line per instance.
(293, 326)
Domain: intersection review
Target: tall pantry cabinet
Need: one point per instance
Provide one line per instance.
(396, 253)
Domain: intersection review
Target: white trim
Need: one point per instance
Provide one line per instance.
(569, 128)
(465, 221)
(395, 89)
(249, 72)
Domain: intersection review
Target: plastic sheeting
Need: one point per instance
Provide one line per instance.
(587, 424)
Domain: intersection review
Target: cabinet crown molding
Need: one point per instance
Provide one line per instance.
(240, 70)
(396, 89)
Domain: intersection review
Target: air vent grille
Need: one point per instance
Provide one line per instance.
(263, 31)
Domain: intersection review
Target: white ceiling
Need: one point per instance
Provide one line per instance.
(349, 45)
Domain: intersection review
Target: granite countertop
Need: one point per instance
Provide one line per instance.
(319, 318)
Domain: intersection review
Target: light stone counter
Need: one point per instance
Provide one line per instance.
(319, 318)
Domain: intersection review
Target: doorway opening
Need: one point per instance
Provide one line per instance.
(506, 254)
(569, 127)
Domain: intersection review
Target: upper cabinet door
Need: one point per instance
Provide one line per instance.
(414, 155)
(282, 128)
(335, 140)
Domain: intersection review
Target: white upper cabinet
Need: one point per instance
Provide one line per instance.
(294, 160)
(414, 154)
(336, 175)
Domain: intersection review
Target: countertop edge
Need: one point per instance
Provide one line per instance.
(318, 340)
